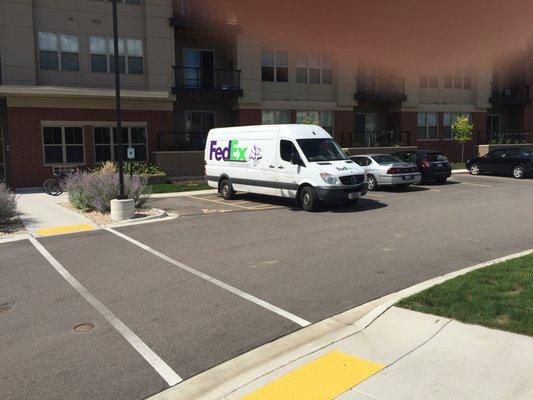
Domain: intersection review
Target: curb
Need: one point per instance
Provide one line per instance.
(460, 171)
(224, 379)
(181, 194)
(161, 215)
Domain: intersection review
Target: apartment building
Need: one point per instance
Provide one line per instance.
(190, 65)
(57, 105)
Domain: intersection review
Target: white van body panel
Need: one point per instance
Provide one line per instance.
(251, 157)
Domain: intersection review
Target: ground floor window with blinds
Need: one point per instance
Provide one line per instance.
(106, 143)
(63, 145)
(322, 118)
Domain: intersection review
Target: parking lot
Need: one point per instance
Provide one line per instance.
(168, 300)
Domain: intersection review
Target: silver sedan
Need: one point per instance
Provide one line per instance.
(386, 170)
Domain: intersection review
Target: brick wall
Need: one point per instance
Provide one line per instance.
(24, 129)
(246, 117)
(343, 127)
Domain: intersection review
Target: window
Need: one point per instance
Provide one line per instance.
(362, 161)
(286, 149)
(327, 70)
(448, 80)
(433, 81)
(197, 125)
(427, 125)
(135, 56)
(447, 121)
(70, 52)
(423, 81)
(63, 145)
(322, 118)
(273, 117)
(97, 47)
(275, 66)
(497, 154)
(429, 81)
(48, 48)
(312, 68)
(106, 147)
(130, 52)
(121, 56)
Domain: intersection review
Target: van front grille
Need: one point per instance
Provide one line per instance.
(352, 179)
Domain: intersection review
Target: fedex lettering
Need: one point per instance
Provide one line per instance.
(232, 152)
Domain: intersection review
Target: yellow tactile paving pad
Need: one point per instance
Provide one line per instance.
(57, 230)
(324, 378)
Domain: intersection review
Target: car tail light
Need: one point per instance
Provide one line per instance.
(393, 171)
(425, 164)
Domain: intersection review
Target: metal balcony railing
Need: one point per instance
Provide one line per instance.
(181, 141)
(203, 15)
(505, 93)
(207, 81)
(380, 89)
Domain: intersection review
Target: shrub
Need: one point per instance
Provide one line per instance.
(94, 191)
(142, 169)
(106, 168)
(8, 203)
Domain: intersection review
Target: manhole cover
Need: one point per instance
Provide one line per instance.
(83, 327)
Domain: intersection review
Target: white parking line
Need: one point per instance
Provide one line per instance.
(161, 367)
(475, 184)
(300, 321)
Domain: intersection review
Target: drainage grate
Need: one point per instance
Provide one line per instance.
(83, 327)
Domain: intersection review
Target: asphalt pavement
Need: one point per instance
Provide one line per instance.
(222, 278)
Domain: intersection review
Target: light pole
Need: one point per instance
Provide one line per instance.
(121, 195)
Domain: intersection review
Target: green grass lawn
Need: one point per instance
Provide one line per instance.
(178, 187)
(458, 165)
(499, 296)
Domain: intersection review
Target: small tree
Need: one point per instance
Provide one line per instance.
(462, 132)
(310, 121)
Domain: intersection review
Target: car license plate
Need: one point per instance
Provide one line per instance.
(439, 165)
(408, 177)
(355, 195)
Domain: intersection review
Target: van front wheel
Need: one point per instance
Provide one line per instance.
(309, 198)
(226, 190)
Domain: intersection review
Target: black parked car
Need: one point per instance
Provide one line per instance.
(515, 162)
(433, 165)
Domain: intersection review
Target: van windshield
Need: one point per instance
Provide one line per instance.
(321, 150)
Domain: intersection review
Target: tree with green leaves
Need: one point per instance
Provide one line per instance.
(310, 121)
(462, 132)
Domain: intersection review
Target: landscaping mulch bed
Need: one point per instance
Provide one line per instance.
(105, 218)
(12, 227)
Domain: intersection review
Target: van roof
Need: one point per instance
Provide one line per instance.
(294, 130)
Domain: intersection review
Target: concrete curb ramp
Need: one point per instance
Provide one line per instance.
(257, 369)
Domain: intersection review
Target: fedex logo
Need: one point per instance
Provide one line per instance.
(232, 152)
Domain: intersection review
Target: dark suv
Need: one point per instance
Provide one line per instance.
(515, 162)
(433, 165)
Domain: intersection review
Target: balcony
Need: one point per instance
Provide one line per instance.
(380, 90)
(181, 141)
(207, 81)
(510, 94)
(201, 16)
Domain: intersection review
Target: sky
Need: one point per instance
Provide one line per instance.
(425, 34)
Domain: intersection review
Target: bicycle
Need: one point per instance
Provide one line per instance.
(54, 186)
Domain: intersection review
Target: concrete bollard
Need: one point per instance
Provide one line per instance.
(122, 209)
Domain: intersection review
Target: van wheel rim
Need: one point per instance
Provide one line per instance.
(225, 189)
(307, 199)
(517, 172)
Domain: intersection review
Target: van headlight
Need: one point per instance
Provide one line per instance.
(329, 179)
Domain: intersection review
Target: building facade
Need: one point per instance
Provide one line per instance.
(188, 66)
(57, 107)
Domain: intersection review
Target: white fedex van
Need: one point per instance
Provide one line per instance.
(296, 161)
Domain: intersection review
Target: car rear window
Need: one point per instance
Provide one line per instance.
(436, 157)
(386, 160)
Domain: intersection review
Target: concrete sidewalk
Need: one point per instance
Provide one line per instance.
(43, 215)
(407, 355)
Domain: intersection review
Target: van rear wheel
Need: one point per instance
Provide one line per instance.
(309, 198)
(226, 190)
